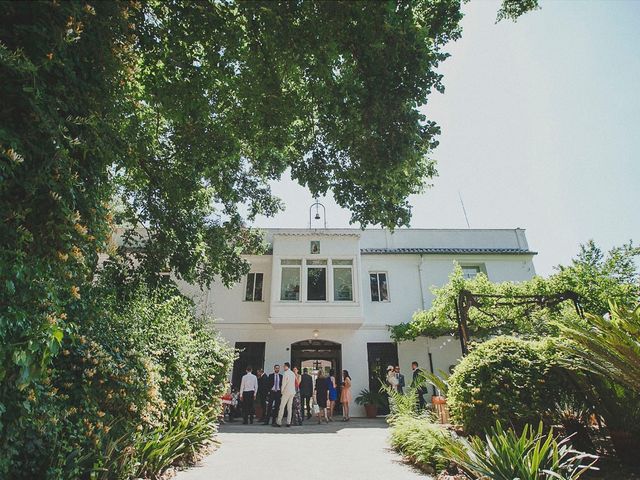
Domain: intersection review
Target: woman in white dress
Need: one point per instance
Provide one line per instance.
(392, 379)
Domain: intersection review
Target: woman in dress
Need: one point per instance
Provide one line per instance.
(393, 382)
(392, 379)
(333, 392)
(345, 395)
(320, 396)
(297, 404)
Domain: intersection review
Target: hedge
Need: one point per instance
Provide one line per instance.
(507, 379)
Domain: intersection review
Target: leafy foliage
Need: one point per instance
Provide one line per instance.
(401, 405)
(122, 372)
(514, 9)
(505, 378)
(593, 276)
(506, 455)
(620, 408)
(609, 347)
(366, 397)
(600, 279)
(174, 117)
(420, 441)
(187, 428)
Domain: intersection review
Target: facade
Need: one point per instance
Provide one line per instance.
(325, 297)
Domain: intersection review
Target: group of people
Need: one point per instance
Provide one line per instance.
(395, 380)
(293, 394)
(296, 395)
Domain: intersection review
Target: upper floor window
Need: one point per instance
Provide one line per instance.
(379, 287)
(290, 279)
(317, 280)
(253, 292)
(342, 280)
(470, 271)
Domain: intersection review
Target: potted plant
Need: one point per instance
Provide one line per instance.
(371, 402)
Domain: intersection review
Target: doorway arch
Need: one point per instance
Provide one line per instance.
(315, 349)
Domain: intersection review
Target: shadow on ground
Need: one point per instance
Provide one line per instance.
(310, 426)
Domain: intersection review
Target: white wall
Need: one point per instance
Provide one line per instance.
(353, 325)
(278, 342)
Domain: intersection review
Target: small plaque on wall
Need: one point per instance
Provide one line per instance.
(315, 246)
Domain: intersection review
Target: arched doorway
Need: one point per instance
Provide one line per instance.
(315, 354)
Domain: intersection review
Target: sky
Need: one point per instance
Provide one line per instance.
(540, 128)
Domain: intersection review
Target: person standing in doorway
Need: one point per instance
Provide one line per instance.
(333, 392)
(248, 393)
(418, 383)
(345, 395)
(306, 392)
(321, 396)
(288, 392)
(263, 392)
(275, 394)
(400, 378)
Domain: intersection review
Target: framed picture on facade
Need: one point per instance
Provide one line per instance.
(315, 246)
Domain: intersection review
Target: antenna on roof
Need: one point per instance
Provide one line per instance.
(464, 210)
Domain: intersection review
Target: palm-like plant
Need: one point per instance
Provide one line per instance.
(440, 381)
(505, 455)
(607, 346)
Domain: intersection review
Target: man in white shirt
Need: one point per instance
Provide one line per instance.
(248, 392)
(288, 392)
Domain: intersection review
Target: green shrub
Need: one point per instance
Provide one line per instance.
(504, 379)
(118, 375)
(420, 441)
(186, 430)
(401, 404)
(507, 455)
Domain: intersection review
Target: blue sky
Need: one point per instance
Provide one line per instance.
(540, 129)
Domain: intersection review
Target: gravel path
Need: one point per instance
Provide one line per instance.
(356, 450)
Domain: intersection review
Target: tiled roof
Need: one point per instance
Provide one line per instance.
(448, 251)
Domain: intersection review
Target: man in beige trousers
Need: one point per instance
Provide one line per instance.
(288, 392)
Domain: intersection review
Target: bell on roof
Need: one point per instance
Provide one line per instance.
(317, 217)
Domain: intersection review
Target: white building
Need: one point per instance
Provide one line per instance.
(327, 297)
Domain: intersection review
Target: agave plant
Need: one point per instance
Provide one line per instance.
(609, 347)
(506, 455)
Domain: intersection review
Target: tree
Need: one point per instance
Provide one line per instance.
(182, 112)
(600, 279)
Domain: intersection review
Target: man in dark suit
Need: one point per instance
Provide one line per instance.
(263, 392)
(400, 378)
(306, 392)
(275, 394)
(418, 382)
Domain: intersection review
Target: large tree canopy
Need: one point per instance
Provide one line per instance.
(181, 112)
(187, 110)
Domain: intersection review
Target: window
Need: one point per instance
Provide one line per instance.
(316, 280)
(253, 292)
(342, 280)
(379, 288)
(470, 271)
(290, 280)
